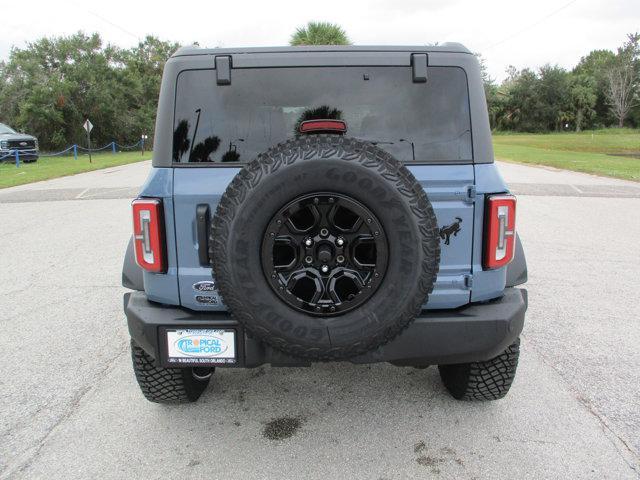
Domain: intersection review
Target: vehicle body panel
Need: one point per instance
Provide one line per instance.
(446, 187)
(163, 288)
(460, 279)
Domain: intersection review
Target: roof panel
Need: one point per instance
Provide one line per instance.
(445, 47)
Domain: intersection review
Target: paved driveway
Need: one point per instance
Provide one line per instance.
(70, 408)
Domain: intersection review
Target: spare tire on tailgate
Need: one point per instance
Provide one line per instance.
(324, 247)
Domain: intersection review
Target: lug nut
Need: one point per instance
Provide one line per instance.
(324, 268)
(340, 258)
(324, 232)
(308, 259)
(308, 242)
(340, 241)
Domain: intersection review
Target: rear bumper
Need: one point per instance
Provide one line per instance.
(472, 333)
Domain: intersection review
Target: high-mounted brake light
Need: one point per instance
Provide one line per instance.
(148, 234)
(499, 230)
(319, 126)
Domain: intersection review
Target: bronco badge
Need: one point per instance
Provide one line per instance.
(448, 230)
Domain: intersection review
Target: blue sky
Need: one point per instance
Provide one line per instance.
(516, 32)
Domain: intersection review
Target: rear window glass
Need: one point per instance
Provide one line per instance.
(421, 122)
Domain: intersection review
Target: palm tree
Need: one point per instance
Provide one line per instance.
(181, 142)
(320, 33)
(323, 112)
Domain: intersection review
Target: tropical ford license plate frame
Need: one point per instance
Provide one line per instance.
(193, 346)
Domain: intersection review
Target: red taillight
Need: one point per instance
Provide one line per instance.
(318, 126)
(499, 230)
(148, 234)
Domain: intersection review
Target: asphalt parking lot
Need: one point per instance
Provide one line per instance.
(70, 407)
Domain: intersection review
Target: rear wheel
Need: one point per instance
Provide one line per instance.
(168, 385)
(488, 380)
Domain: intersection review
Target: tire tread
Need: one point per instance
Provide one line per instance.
(480, 381)
(164, 385)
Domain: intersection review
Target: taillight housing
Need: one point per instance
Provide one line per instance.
(148, 234)
(499, 231)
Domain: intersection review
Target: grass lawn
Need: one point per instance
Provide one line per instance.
(597, 152)
(53, 167)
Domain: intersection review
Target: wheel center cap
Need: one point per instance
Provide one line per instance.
(324, 254)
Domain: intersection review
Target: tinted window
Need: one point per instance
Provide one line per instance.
(262, 107)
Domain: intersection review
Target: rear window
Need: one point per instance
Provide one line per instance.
(415, 122)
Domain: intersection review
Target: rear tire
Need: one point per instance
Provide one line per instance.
(479, 381)
(167, 385)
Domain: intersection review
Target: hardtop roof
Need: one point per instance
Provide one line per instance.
(448, 47)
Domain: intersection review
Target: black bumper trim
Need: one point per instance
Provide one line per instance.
(472, 333)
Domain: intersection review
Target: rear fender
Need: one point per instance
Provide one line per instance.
(517, 269)
(131, 273)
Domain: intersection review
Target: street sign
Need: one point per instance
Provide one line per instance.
(88, 126)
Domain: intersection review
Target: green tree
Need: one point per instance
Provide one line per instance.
(596, 65)
(523, 106)
(49, 87)
(320, 33)
(549, 99)
(52, 85)
(143, 66)
(553, 91)
(582, 92)
(494, 96)
(603, 89)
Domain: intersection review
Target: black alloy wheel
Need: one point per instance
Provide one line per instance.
(324, 253)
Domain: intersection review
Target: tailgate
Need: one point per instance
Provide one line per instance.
(450, 190)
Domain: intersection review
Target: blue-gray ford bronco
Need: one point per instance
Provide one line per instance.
(314, 204)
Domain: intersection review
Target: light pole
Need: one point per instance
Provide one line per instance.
(413, 147)
(195, 131)
(232, 144)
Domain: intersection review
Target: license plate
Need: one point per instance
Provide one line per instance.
(200, 346)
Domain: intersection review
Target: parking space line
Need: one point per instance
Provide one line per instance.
(82, 193)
